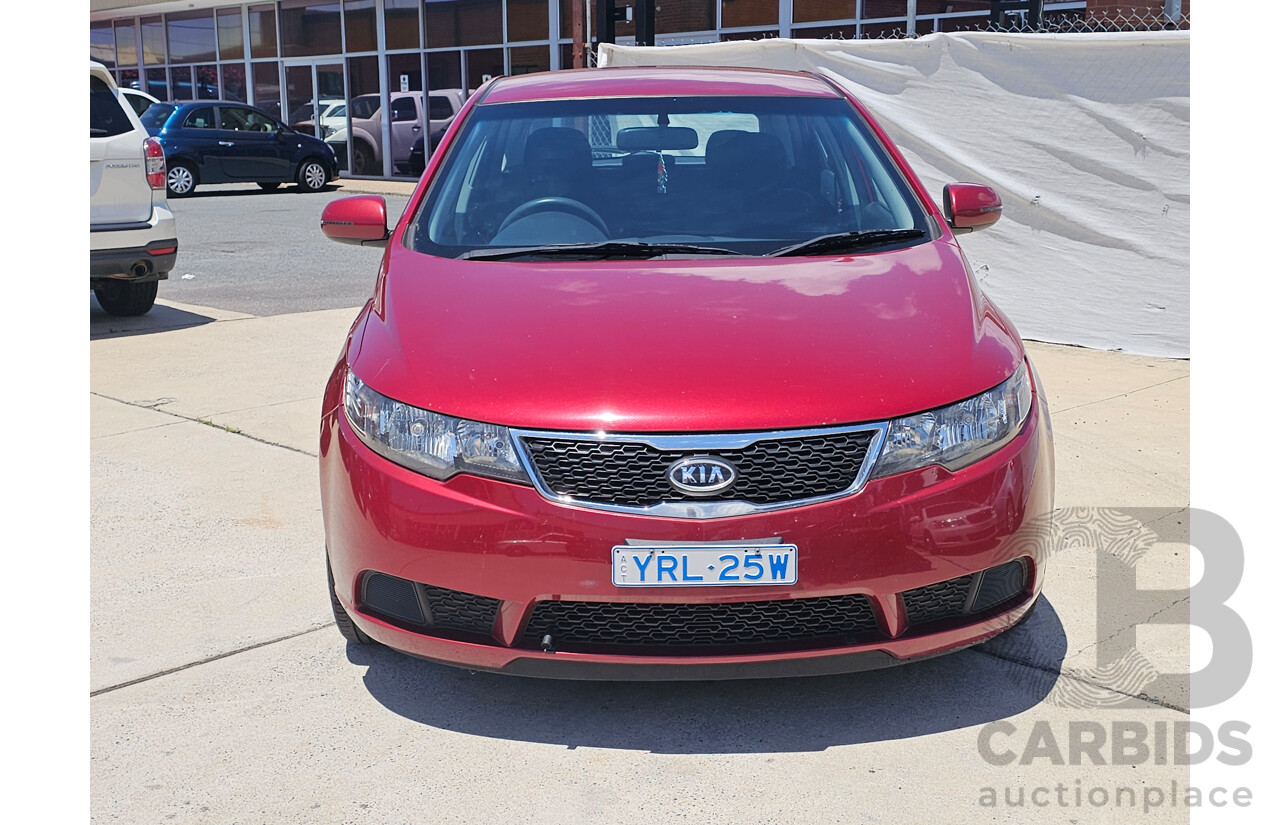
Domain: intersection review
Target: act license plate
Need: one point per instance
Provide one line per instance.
(699, 566)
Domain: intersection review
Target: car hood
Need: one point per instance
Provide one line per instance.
(684, 345)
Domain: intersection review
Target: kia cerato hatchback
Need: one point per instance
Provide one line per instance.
(678, 374)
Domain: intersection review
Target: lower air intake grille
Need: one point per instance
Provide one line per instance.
(400, 601)
(966, 595)
(699, 628)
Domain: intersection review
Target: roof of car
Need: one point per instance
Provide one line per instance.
(655, 82)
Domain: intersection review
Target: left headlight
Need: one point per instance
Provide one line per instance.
(435, 445)
(960, 434)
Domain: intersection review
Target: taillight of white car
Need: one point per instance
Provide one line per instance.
(156, 170)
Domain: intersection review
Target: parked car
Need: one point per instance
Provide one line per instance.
(333, 116)
(720, 400)
(225, 142)
(133, 239)
(138, 99)
(418, 154)
(365, 132)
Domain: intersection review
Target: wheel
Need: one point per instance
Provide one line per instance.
(362, 163)
(269, 185)
(181, 180)
(346, 627)
(125, 298)
(555, 204)
(312, 175)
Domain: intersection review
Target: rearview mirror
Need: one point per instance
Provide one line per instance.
(359, 220)
(970, 206)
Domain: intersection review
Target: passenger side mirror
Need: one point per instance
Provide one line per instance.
(359, 220)
(970, 206)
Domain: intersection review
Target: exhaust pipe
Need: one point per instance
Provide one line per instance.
(141, 269)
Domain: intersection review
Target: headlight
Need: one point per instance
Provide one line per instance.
(429, 443)
(960, 434)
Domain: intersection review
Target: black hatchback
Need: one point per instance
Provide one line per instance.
(217, 141)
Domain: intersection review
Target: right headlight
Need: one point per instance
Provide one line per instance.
(959, 434)
(435, 445)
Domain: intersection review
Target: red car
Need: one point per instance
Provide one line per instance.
(678, 374)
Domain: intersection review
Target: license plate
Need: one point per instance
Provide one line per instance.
(701, 566)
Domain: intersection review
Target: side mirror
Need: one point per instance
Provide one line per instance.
(359, 220)
(970, 206)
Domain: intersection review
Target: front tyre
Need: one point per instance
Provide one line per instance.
(181, 180)
(312, 175)
(126, 298)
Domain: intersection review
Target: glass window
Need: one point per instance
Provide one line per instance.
(180, 78)
(192, 37)
(200, 117)
(156, 115)
(230, 34)
(309, 27)
(685, 16)
(234, 118)
(798, 167)
(233, 82)
(158, 83)
(526, 59)
(806, 11)
(463, 23)
(266, 86)
(444, 70)
(128, 79)
(441, 109)
(126, 44)
(403, 28)
(102, 44)
(207, 82)
(362, 25)
(106, 118)
(527, 20)
(483, 64)
(152, 40)
(403, 109)
(262, 32)
(748, 13)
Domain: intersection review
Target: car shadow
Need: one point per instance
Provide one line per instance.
(161, 318)
(242, 190)
(1005, 677)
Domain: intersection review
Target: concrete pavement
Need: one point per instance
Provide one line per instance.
(221, 692)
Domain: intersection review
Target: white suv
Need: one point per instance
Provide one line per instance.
(133, 242)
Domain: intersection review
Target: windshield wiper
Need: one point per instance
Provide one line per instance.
(608, 249)
(847, 241)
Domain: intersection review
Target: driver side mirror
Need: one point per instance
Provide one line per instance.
(359, 220)
(970, 206)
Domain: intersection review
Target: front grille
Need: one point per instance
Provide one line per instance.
(634, 474)
(400, 601)
(700, 628)
(966, 595)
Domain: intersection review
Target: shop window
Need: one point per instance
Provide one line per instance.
(262, 33)
(806, 11)
(230, 34)
(126, 44)
(266, 87)
(361, 20)
(734, 13)
(152, 40)
(308, 27)
(453, 23)
(192, 37)
(685, 16)
(482, 63)
(102, 44)
(404, 30)
(527, 59)
(526, 20)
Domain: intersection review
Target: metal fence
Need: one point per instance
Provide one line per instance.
(1073, 21)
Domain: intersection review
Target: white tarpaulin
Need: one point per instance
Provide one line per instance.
(1087, 138)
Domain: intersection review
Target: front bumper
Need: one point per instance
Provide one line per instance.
(508, 547)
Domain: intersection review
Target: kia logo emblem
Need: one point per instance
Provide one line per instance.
(701, 475)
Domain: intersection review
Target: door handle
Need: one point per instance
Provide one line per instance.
(417, 128)
(225, 143)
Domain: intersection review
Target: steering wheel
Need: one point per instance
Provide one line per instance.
(555, 204)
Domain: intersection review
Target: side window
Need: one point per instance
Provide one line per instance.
(106, 118)
(200, 118)
(441, 108)
(259, 122)
(402, 109)
(234, 119)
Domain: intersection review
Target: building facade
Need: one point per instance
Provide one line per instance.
(300, 59)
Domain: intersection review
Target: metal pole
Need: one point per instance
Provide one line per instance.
(911, 18)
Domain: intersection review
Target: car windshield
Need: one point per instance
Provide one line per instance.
(154, 118)
(747, 175)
